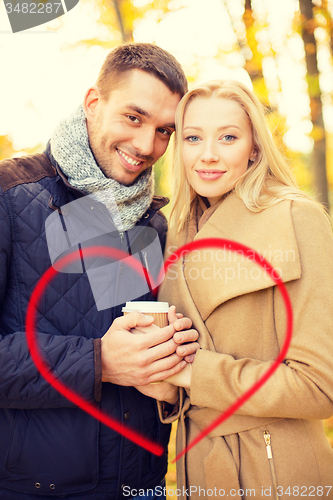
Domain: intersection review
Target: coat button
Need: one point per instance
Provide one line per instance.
(37, 485)
(127, 415)
(52, 486)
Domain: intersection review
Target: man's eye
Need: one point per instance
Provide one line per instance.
(133, 119)
(164, 131)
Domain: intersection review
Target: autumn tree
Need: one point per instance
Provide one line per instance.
(120, 17)
(6, 147)
(308, 25)
(253, 57)
(325, 11)
(125, 35)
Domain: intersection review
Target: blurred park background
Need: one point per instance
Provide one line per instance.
(282, 49)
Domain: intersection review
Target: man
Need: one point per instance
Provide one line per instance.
(48, 446)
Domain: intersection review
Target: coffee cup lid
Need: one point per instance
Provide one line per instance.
(146, 307)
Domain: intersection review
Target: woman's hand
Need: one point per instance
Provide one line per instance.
(172, 315)
(190, 348)
(162, 391)
(183, 378)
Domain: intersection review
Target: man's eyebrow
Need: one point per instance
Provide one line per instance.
(169, 125)
(137, 109)
(143, 112)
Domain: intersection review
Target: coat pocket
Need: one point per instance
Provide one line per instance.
(267, 438)
(54, 451)
(16, 440)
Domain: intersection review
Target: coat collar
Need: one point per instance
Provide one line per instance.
(215, 277)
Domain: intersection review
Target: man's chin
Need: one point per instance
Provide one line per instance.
(125, 178)
(121, 174)
(129, 175)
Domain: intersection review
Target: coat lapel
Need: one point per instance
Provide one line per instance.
(215, 276)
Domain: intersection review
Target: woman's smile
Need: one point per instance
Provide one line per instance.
(209, 175)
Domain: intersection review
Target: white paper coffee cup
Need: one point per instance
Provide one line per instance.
(159, 310)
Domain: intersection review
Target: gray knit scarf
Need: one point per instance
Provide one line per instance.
(70, 148)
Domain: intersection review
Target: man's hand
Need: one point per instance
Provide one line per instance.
(135, 360)
(185, 344)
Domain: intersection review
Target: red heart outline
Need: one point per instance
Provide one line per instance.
(235, 246)
(45, 370)
(72, 396)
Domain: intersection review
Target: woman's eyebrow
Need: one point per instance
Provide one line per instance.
(219, 128)
(192, 128)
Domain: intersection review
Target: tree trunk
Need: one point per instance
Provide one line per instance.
(253, 65)
(120, 21)
(319, 150)
(254, 58)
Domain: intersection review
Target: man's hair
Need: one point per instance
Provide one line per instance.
(143, 56)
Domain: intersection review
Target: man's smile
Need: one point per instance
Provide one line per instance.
(129, 159)
(129, 162)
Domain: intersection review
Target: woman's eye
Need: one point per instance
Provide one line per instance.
(229, 138)
(192, 138)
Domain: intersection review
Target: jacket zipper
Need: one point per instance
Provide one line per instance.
(143, 254)
(121, 233)
(267, 438)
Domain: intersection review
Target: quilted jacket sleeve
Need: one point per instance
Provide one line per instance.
(302, 385)
(72, 357)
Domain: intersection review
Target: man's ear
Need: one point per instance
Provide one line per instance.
(90, 103)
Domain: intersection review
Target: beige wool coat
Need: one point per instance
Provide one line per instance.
(240, 315)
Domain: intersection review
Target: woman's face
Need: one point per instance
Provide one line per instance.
(217, 145)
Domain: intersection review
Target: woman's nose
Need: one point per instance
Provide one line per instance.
(209, 154)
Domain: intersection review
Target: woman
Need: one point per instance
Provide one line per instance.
(230, 181)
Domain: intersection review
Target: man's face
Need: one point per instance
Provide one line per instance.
(130, 130)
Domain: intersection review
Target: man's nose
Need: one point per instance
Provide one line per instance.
(144, 141)
(209, 153)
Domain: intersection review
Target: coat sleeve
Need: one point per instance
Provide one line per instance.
(72, 357)
(301, 387)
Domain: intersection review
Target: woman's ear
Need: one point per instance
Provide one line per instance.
(253, 156)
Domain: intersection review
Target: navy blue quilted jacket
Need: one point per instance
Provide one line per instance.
(49, 447)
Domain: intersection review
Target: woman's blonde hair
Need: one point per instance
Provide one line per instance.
(267, 181)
